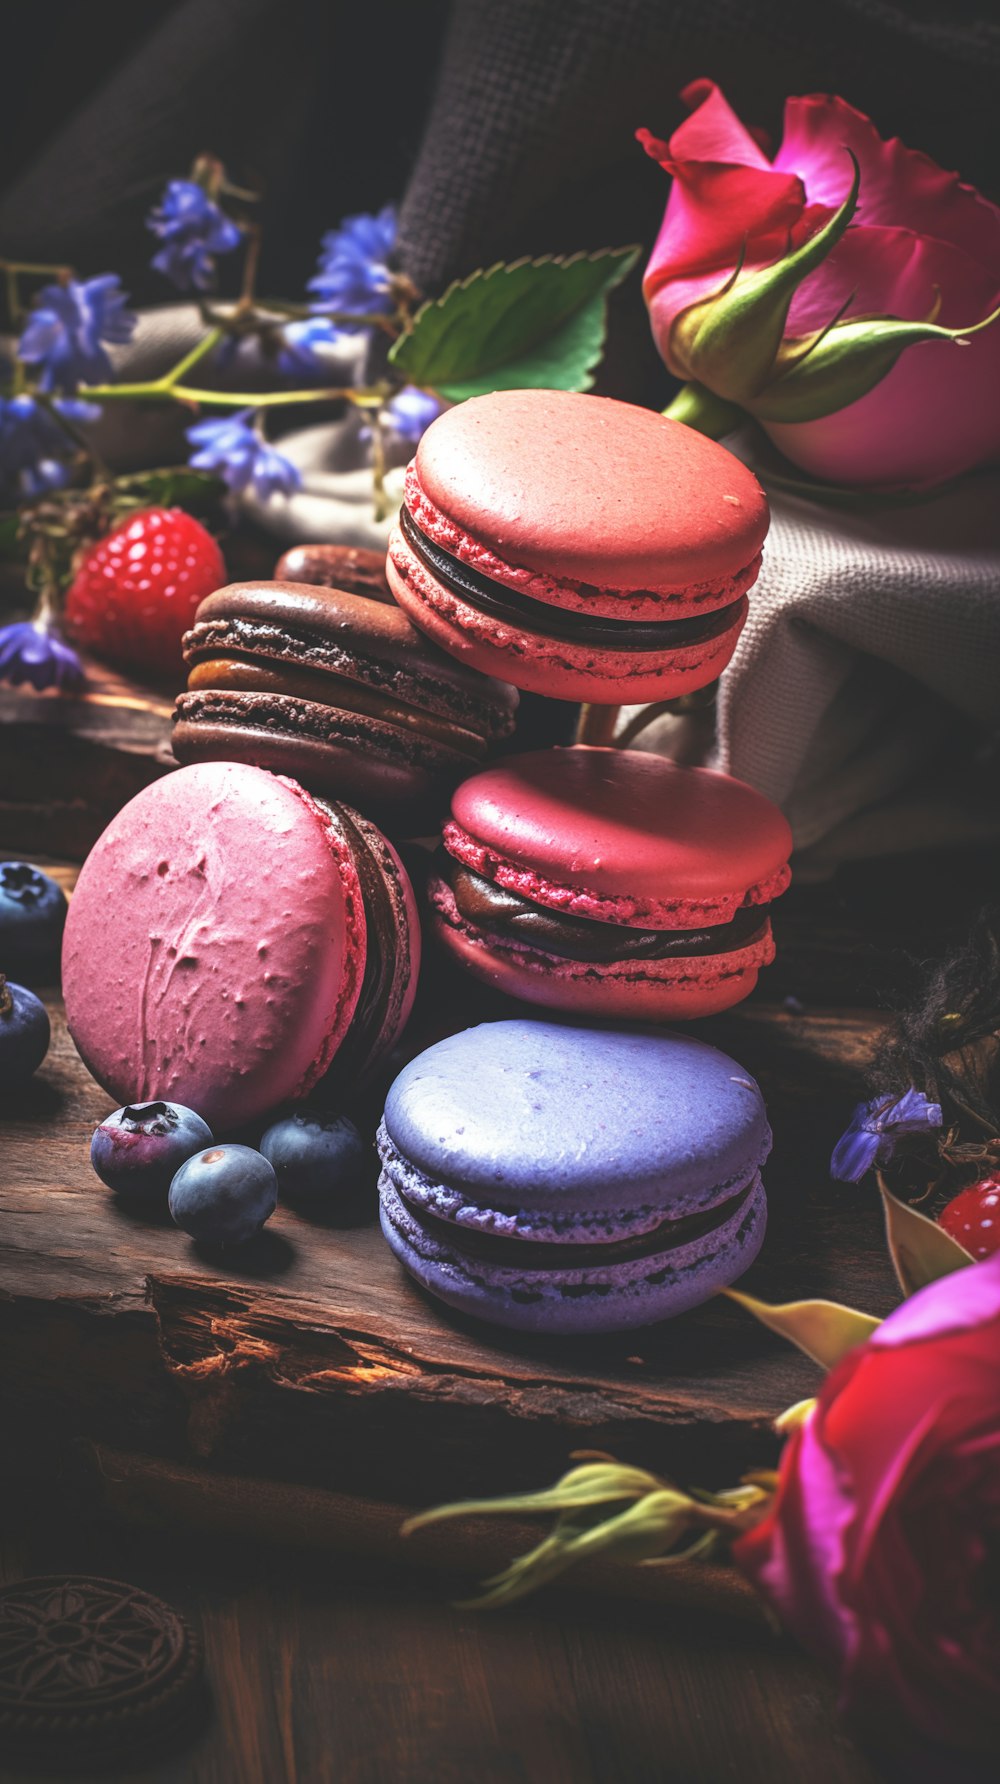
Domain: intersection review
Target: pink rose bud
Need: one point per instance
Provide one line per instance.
(902, 390)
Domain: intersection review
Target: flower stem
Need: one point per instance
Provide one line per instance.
(198, 352)
(596, 724)
(700, 408)
(378, 465)
(250, 264)
(72, 432)
(226, 399)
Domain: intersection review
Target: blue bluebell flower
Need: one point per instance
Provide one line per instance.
(32, 651)
(411, 411)
(353, 269)
(876, 1127)
(34, 449)
(67, 327)
(236, 453)
(299, 353)
(193, 231)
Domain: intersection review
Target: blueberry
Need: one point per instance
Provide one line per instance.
(24, 1033)
(32, 914)
(318, 1157)
(223, 1196)
(137, 1150)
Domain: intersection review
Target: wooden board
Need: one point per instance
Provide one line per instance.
(312, 1360)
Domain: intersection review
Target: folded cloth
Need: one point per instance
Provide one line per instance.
(866, 685)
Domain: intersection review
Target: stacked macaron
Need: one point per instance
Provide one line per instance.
(266, 943)
(570, 1180)
(611, 883)
(320, 675)
(579, 547)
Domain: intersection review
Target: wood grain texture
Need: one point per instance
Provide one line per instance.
(331, 1670)
(311, 1358)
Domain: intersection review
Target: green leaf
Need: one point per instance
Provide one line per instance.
(535, 324)
(845, 364)
(172, 486)
(12, 544)
(921, 1251)
(730, 341)
(825, 1330)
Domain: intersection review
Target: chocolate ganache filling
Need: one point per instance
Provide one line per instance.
(537, 1254)
(378, 984)
(509, 916)
(519, 610)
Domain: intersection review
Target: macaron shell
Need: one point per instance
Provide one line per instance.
(685, 602)
(215, 945)
(621, 836)
(611, 1298)
(347, 755)
(540, 665)
(591, 490)
(677, 990)
(358, 639)
(578, 1117)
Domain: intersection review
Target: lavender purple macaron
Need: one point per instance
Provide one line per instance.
(569, 1180)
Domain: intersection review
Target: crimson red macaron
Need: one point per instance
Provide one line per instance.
(611, 883)
(578, 547)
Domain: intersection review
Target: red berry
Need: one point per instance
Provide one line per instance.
(973, 1217)
(135, 592)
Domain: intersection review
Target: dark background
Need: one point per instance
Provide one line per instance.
(505, 126)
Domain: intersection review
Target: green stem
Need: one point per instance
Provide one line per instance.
(197, 353)
(378, 466)
(73, 433)
(226, 399)
(700, 408)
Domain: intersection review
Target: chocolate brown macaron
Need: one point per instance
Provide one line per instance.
(351, 568)
(335, 689)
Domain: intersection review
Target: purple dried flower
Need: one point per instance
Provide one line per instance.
(67, 327)
(411, 412)
(353, 269)
(31, 650)
(875, 1128)
(301, 343)
(33, 447)
(236, 453)
(193, 230)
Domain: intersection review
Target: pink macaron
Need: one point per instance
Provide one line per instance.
(232, 939)
(578, 547)
(611, 883)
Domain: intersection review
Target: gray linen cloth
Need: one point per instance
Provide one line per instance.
(864, 693)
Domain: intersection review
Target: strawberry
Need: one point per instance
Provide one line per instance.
(973, 1217)
(134, 593)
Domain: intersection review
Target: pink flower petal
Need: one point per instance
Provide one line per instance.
(713, 132)
(899, 186)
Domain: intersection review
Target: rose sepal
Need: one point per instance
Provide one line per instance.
(730, 341)
(843, 364)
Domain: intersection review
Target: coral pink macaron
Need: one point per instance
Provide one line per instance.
(232, 939)
(578, 547)
(611, 883)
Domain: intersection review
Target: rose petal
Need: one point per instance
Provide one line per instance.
(796, 1555)
(725, 197)
(893, 272)
(963, 1302)
(899, 186)
(715, 213)
(713, 132)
